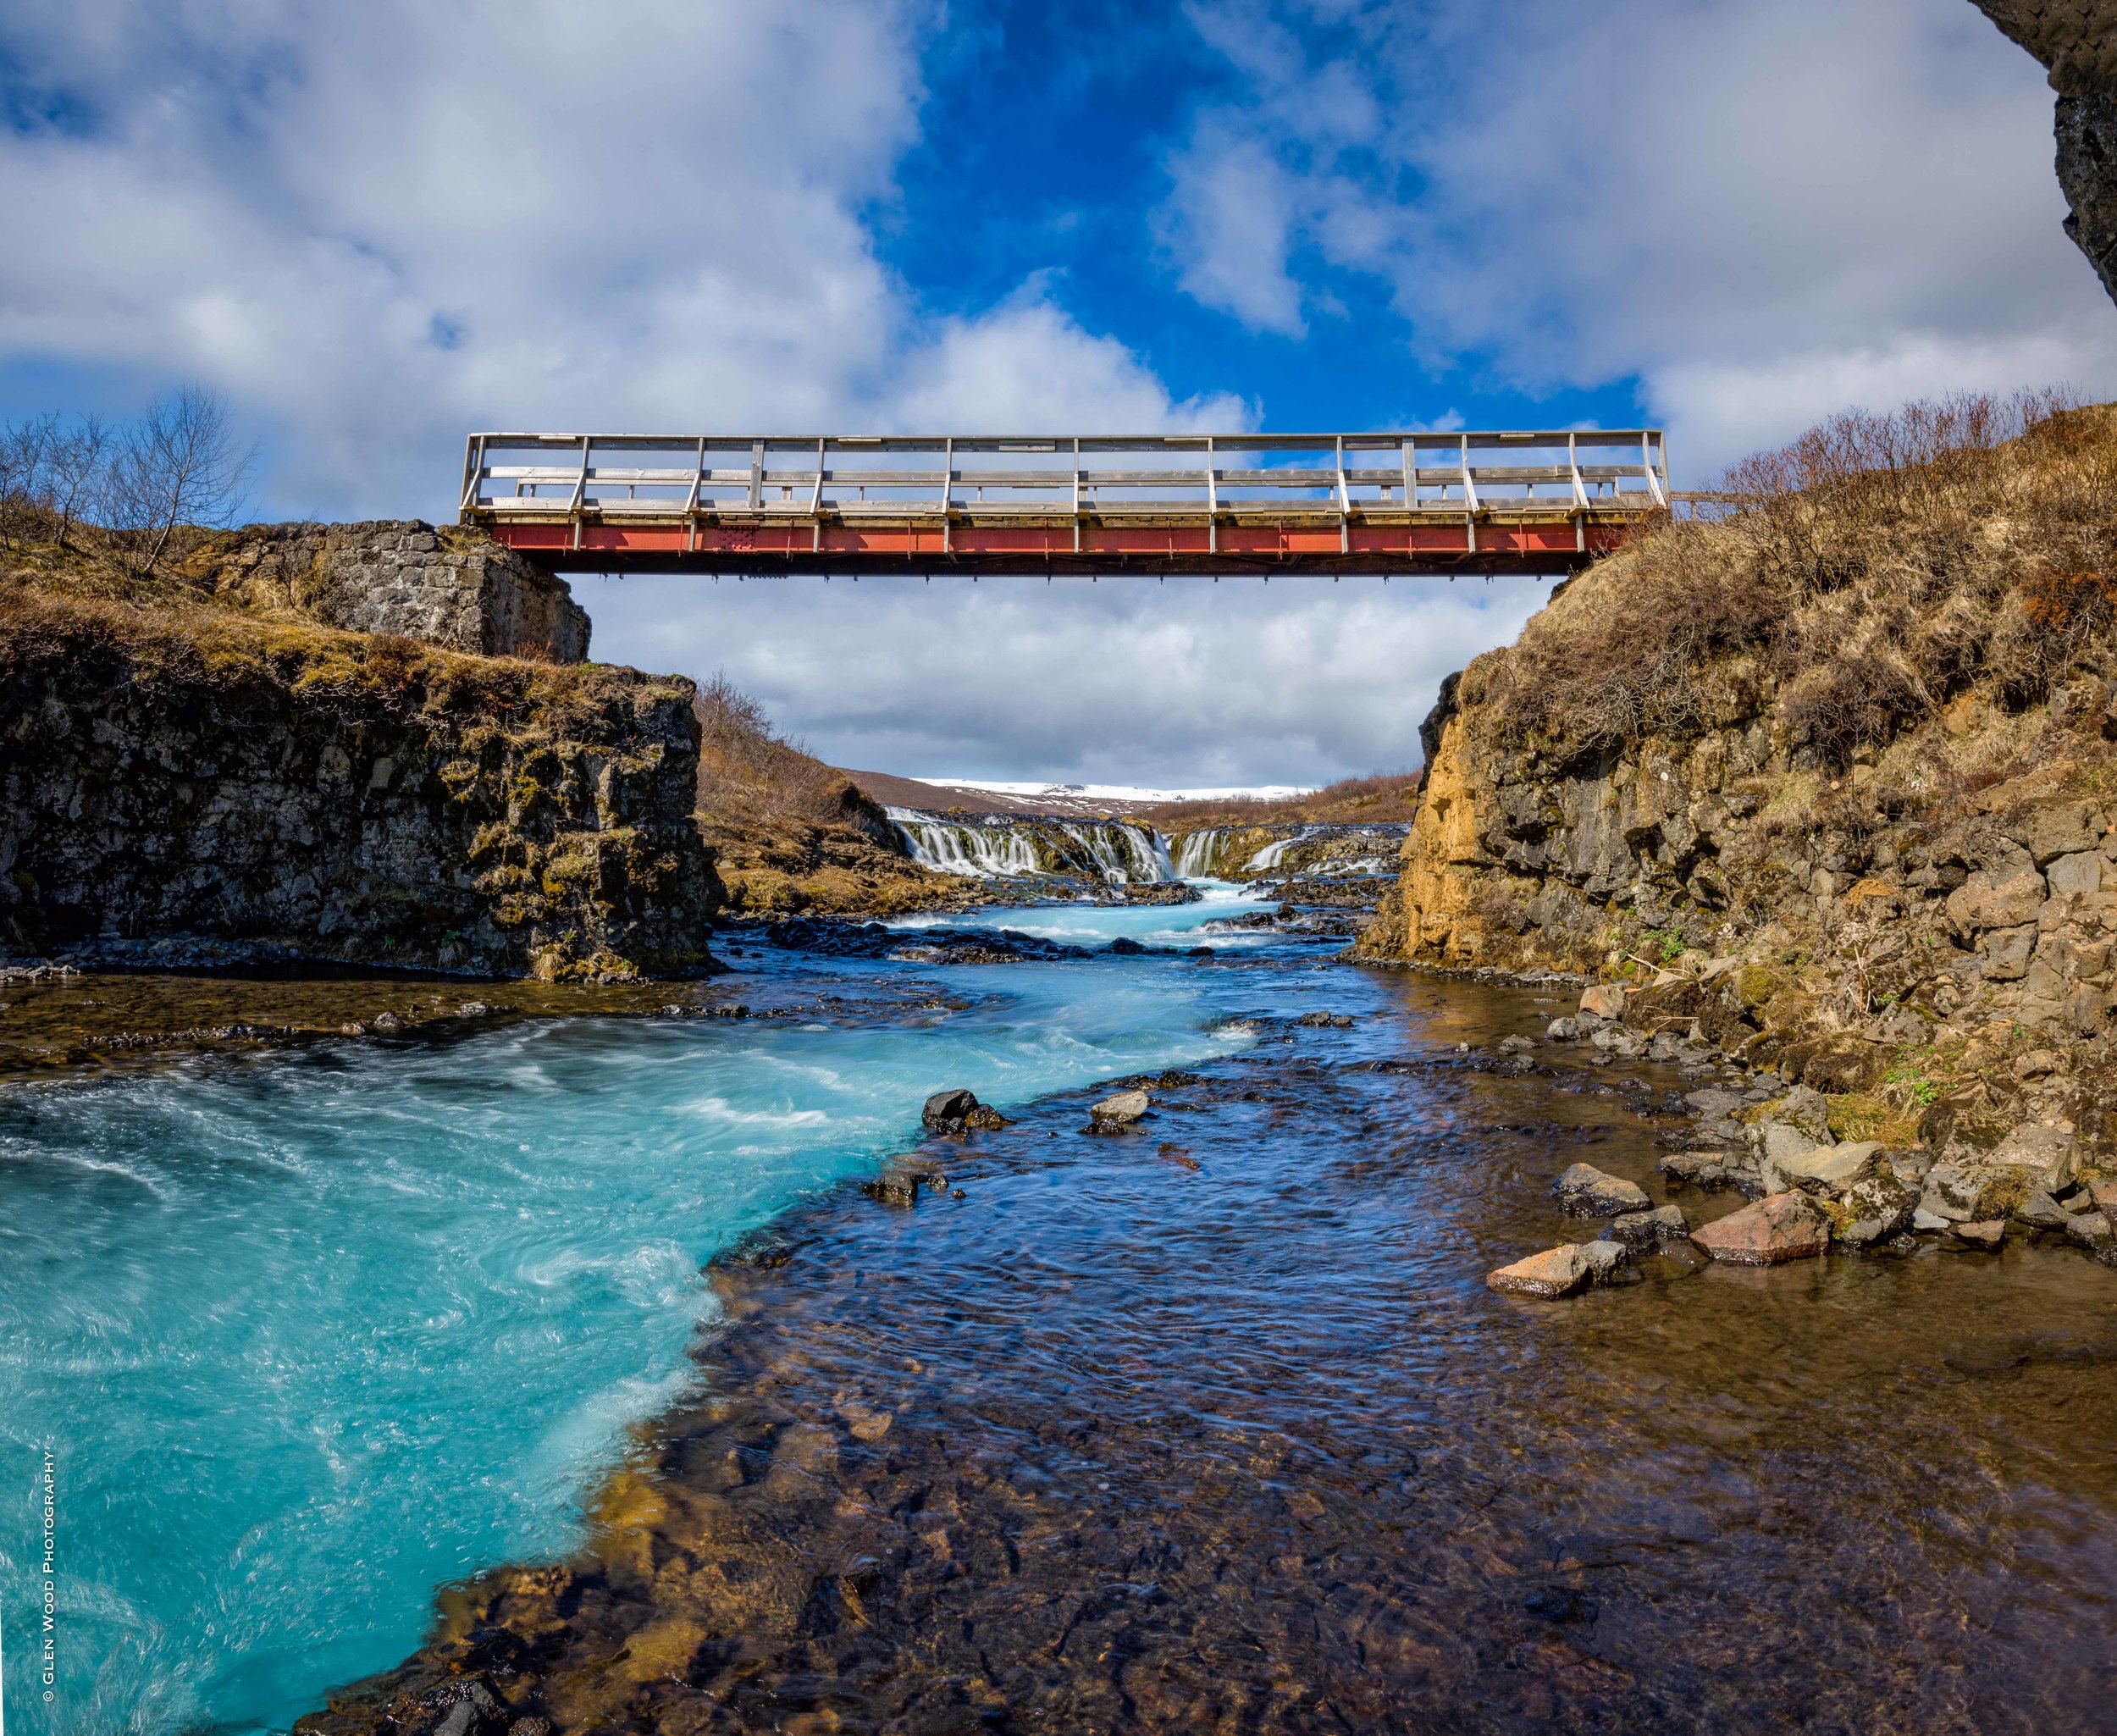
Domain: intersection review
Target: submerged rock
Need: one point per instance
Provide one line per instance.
(1557, 1271)
(1707, 1170)
(1783, 1226)
(1585, 1192)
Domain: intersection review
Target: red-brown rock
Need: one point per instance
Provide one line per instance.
(1787, 1226)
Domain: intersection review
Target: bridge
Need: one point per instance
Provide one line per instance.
(1410, 504)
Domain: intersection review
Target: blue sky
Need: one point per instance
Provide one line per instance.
(374, 229)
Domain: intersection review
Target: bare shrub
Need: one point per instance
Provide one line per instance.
(54, 473)
(748, 773)
(180, 467)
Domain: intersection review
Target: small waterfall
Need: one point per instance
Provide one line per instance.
(1270, 857)
(978, 852)
(1196, 853)
(1113, 851)
(1118, 851)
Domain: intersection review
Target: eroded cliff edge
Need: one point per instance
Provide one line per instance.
(1832, 780)
(187, 760)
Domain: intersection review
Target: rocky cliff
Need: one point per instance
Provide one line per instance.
(2076, 41)
(187, 773)
(1832, 782)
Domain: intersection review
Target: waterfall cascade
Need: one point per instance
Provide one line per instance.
(1114, 851)
(1122, 852)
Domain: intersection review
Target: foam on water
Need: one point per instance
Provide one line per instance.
(311, 1334)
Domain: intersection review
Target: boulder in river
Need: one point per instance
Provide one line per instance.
(1648, 1229)
(1125, 945)
(1557, 1271)
(1120, 1110)
(957, 1111)
(1585, 1192)
(2091, 1231)
(1697, 1169)
(1606, 1000)
(1985, 1237)
(1605, 1260)
(1780, 1227)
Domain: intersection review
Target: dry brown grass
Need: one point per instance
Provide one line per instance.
(1863, 576)
(750, 775)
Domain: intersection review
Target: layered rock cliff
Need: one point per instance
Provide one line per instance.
(1833, 781)
(2076, 41)
(169, 772)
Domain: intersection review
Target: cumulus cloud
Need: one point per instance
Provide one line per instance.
(1761, 213)
(1182, 683)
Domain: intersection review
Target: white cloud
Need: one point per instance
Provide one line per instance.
(1761, 212)
(1184, 682)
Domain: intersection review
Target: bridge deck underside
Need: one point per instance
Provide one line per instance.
(1494, 542)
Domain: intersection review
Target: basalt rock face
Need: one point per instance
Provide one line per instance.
(2076, 41)
(1923, 905)
(340, 796)
(449, 587)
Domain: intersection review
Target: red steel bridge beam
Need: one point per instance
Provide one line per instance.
(1411, 504)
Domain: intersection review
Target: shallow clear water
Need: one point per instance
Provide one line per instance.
(1214, 1426)
(308, 1336)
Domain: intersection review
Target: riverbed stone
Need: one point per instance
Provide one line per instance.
(1557, 1271)
(1606, 1260)
(2091, 1231)
(1606, 1000)
(945, 1107)
(1120, 1109)
(1986, 1236)
(1648, 1229)
(1702, 1168)
(1778, 1228)
(1585, 1192)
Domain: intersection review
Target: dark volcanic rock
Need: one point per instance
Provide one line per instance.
(2076, 43)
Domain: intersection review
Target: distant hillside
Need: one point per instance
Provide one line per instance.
(1380, 796)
